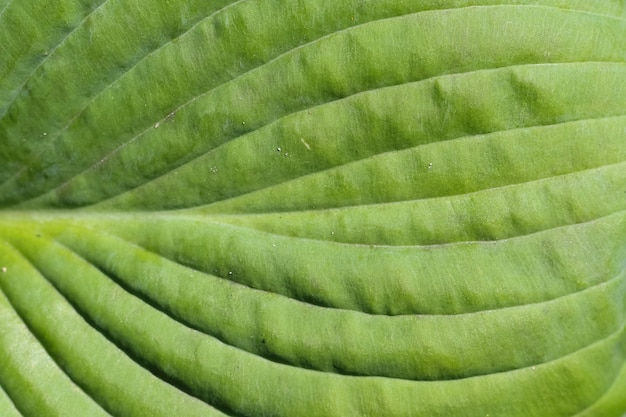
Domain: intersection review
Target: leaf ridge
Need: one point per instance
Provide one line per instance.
(43, 61)
(130, 141)
(57, 406)
(119, 76)
(540, 235)
(207, 152)
(153, 395)
(314, 313)
(333, 225)
(112, 199)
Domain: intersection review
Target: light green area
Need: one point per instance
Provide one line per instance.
(108, 375)
(7, 408)
(313, 208)
(29, 375)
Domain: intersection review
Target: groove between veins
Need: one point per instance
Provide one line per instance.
(262, 291)
(233, 80)
(45, 59)
(120, 342)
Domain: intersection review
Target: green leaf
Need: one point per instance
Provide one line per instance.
(289, 208)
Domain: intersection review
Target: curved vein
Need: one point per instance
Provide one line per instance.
(43, 61)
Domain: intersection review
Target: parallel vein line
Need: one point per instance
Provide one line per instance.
(191, 100)
(438, 245)
(36, 334)
(85, 315)
(72, 119)
(355, 161)
(431, 245)
(374, 205)
(615, 381)
(208, 151)
(243, 285)
(245, 352)
(617, 374)
(151, 303)
(43, 61)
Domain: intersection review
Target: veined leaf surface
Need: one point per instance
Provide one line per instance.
(288, 208)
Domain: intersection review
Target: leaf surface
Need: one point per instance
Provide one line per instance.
(287, 208)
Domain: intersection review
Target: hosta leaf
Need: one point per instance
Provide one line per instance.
(288, 208)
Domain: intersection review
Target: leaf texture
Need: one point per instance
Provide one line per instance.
(288, 208)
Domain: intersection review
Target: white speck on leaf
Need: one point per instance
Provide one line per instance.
(156, 125)
(305, 144)
(4, 269)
